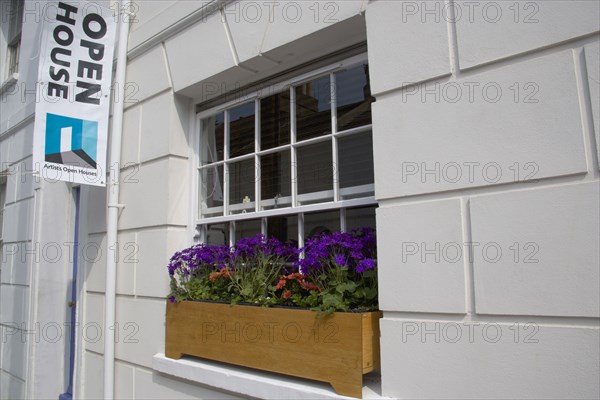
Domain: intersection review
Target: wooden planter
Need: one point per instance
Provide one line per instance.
(337, 348)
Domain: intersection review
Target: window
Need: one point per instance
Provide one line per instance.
(12, 16)
(2, 203)
(290, 161)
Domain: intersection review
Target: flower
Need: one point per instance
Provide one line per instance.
(340, 260)
(281, 284)
(333, 271)
(365, 264)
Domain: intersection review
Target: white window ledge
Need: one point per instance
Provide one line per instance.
(10, 81)
(254, 383)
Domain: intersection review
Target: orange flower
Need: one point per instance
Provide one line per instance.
(223, 273)
(281, 284)
(226, 273)
(308, 286)
(287, 294)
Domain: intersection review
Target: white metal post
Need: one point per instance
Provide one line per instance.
(114, 206)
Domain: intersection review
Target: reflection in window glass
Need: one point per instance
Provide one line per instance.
(217, 234)
(353, 98)
(356, 165)
(241, 130)
(211, 191)
(242, 176)
(360, 218)
(275, 121)
(322, 222)
(313, 109)
(234, 161)
(211, 145)
(315, 172)
(276, 184)
(283, 228)
(246, 229)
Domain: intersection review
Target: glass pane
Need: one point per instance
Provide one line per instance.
(315, 173)
(276, 183)
(242, 176)
(275, 121)
(211, 191)
(313, 109)
(283, 228)
(323, 222)
(217, 234)
(360, 218)
(245, 229)
(353, 98)
(356, 165)
(241, 130)
(211, 139)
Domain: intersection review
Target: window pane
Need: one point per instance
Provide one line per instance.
(211, 191)
(14, 17)
(356, 165)
(217, 234)
(313, 109)
(245, 229)
(241, 130)
(242, 176)
(211, 139)
(353, 98)
(323, 222)
(276, 184)
(360, 218)
(2, 200)
(283, 228)
(315, 173)
(275, 121)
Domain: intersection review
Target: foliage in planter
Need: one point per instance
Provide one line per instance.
(333, 272)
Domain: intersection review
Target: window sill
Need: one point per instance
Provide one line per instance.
(254, 383)
(8, 82)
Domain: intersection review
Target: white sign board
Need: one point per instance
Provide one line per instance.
(74, 80)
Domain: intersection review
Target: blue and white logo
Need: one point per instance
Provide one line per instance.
(71, 141)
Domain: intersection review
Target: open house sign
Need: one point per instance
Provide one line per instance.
(74, 80)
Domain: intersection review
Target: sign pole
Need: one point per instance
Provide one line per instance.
(114, 206)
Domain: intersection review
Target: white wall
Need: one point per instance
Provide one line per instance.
(37, 231)
(15, 280)
(493, 149)
(528, 186)
(192, 63)
(529, 175)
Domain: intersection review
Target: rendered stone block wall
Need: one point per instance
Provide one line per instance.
(485, 148)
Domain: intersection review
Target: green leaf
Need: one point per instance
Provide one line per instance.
(349, 287)
(371, 293)
(370, 273)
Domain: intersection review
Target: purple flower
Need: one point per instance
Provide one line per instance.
(367, 263)
(172, 299)
(340, 260)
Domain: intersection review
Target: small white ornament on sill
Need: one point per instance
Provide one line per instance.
(246, 200)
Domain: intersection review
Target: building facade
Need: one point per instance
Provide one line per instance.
(466, 133)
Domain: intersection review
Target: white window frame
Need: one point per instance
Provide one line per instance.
(3, 186)
(12, 26)
(3, 189)
(338, 203)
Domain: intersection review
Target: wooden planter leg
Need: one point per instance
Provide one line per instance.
(348, 389)
(173, 354)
